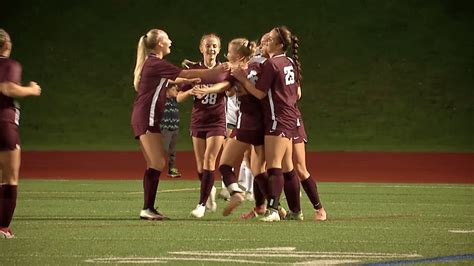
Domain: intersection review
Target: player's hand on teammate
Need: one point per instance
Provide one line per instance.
(239, 74)
(198, 92)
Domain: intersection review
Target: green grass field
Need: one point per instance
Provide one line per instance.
(84, 222)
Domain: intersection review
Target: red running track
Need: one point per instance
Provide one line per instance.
(389, 167)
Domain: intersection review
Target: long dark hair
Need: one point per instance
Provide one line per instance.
(288, 39)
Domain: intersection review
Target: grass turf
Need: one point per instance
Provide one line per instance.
(77, 222)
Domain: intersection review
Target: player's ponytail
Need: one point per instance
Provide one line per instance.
(294, 53)
(141, 56)
(146, 44)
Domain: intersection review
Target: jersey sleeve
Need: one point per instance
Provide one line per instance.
(167, 70)
(13, 73)
(265, 81)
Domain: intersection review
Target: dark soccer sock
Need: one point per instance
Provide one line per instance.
(311, 189)
(150, 187)
(228, 175)
(206, 185)
(8, 195)
(275, 176)
(292, 191)
(260, 192)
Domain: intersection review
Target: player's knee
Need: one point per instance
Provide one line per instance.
(157, 164)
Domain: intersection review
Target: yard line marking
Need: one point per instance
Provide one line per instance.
(165, 259)
(169, 190)
(259, 256)
(289, 255)
(461, 231)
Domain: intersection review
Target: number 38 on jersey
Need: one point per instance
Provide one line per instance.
(210, 98)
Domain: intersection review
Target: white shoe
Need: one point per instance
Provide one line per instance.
(211, 204)
(152, 214)
(5, 232)
(271, 216)
(249, 196)
(199, 211)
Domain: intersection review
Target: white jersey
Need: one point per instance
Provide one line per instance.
(231, 110)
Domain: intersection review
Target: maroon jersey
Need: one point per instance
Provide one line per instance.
(250, 114)
(208, 112)
(151, 96)
(279, 81)
(10, 71)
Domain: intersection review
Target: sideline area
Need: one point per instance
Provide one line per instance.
(391, 167)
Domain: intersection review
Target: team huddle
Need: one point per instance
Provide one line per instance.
(264, 84)
(269, 128)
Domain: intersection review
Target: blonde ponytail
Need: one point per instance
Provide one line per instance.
(146, 44)
(141, 56)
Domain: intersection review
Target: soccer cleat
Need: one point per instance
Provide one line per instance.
(255, 212)
(320, 215)
(224, 194)
(281, 212)
(235, 200)
(5, 232)
(152, 214)
(295, 216)
(211, 204)
(199, 211)
(173, 172)
(271, 216)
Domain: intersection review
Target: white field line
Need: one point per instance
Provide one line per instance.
(292, 255)
(165, 259)
(327, 262)
(261, 254)
(107, 192)
(461, 231)
(413, 186)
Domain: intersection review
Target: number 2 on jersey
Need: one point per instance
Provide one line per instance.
(210, 98)
(289, 75)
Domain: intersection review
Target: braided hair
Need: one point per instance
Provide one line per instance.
(287, 39)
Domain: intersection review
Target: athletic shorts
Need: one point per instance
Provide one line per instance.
(204, 134)
(139, 130)
(285, 134)
(254, 137)
(302, 137)
(9, 137)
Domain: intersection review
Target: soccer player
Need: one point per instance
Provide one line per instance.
(152, 76)
(208, 121)
(277, 87)
(249, 128)
(10, 88)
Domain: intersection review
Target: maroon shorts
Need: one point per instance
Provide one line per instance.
(204, 134)
(139, 130)
(9, 137)
(302, 137)
(289, 134)
(254, 137)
